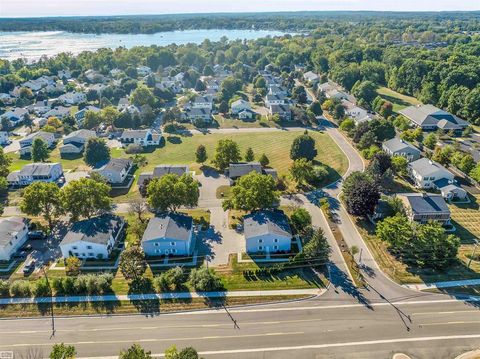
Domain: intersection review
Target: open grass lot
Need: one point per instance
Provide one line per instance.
(404, 274)
(466, 218)
(245, 276)
(276, 145)
(398, 100)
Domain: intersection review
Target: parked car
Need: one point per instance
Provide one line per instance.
(20, 255)
(36, 235)
(27, 248)
(29, 267)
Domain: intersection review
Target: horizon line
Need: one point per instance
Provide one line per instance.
(237, 12)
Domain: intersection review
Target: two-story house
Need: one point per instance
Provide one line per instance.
(35, 172)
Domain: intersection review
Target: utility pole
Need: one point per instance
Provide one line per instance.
(360, 259)
(473, 254)
(51, 301)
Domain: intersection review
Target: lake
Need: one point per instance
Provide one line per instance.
(33, 45)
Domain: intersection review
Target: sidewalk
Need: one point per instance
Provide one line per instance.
(155, 296)
(447, 284)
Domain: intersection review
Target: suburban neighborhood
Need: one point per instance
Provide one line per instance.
(314, 181)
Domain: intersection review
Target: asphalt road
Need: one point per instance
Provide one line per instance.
(317, 328)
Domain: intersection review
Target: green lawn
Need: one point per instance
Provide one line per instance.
(398, 100)
(404, 274)
(466, 218)
(276, 145)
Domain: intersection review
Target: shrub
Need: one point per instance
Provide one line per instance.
(205, 279)
(133, 148)
(80, 284)
(173, 278)
(20, 288)
(300, 219)
(4, 288)
(42, 289)
(68, 285)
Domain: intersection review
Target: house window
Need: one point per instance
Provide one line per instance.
(173, 243)
(260, 241)
(156, 244)
(173, 250)
(260, 248)
(89, 247)
(91, 254)
(76, 254)
(74, 247)
(275, 240)
(157, 251)
(275, 247)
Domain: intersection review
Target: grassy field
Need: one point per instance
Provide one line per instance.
(466, 218)
(276, 145)
(403, 274)
(398, 100)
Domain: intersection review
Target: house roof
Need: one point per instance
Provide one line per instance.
(34, 169)
(429, 115)
(243, 168)
(47, 136)
(398, 145)
(116, 164)
(163, 170)
(85, 134)
(135, 133)
(280, 109)
(240, 102)
(266, 222)
(198, 111)
(9, 227)
(95, 230)
(175, 226)
(424, 167)
(425, 203)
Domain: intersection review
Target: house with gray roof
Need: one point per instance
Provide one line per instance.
(74, 142)
(239, 106)
(169, 234)
(92, 238)
(239, 169)
(425, 207)
(424, 172)
(27, 142)
(197, 115)
(283, 111)
(116, 170)
(35, 172)
(398, 147)
(13, 234)
(80, 115)
(267, 231)
(142, 138)
(162, 170)
(431, 118)
(311, 77)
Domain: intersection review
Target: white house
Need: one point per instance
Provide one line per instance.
(205, 102)
(399, 147)
(141, 137)
(169, 234)
(116, 170)
(13, 234)
(274, 100)
(353, 111)
(311, 77)
(59, 112)
(424, 207)
(35, 172)
(239, 106)
(73, 98)
(283, 111)
(27, 142)
(197, 114)
(144, 70)
(267, 231)
(425, 172)
(92, 238)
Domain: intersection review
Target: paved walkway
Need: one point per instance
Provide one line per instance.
(155, 296)
(446, 284)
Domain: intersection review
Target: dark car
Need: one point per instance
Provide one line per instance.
(36, 235)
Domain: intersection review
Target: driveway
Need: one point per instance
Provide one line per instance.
(210, 180)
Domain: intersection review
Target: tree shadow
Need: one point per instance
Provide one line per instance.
(341, 281)
(209, 171)
(175, 140)
(149, 307)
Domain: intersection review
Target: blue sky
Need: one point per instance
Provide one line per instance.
(24, 8)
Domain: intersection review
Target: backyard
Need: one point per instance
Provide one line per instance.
(398, 100)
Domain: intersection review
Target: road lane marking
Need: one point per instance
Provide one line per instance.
(110, 329)
(153, 340)
(318, 346)
(443, 313)
(449, 323)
